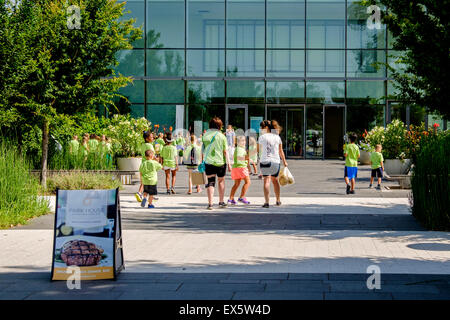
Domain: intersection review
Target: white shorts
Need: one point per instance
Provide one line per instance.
(169, 168)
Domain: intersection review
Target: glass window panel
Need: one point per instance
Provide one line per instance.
(366, 63)
(167, 63)
(136, 11)
(165, 23)
(198, 116)
(285, 24)
(243, 91)
(392, 90)
(365, 92)
(206, 21)
(165, 91)
(325, 63)
(206, 63)
(285, 63)
(359, 34)
(325, 24)
(285, 91)
(325, 92)
(395, 61)
(364, 117)
(164, 115)
(206, 92)
(314, 132)
(245, 63)
(245, 23)
(137, 110)
(134, 91)
(131, 63)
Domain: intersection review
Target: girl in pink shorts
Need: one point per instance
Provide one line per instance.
(240, 172)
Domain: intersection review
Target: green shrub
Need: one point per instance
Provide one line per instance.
(19, 190)
(430, 182)
(81, 181)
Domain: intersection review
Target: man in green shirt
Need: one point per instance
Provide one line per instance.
(376, 160)
(149, 178)
(352, 155)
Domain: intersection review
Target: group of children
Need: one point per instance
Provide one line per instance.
(352, 154)
(167, 153)
(90, 144)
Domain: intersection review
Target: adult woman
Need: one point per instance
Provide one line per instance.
(216, 160)
(271, 150)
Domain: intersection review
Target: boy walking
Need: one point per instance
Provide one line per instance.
(376, 160)
(149, 178)
(351, 154)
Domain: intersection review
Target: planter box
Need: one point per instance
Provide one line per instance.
(364, 159)
(129, 164)
(396, 166)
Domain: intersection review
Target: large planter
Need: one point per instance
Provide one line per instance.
(396, 166)
(129, 164)
(364, 157)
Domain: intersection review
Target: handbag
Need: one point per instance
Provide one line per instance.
(202, 166)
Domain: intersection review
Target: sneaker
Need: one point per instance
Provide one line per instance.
(348, 189)
(378, 187)
(155, 199)
(244, 200)
(222, 205)
(173, 191)
(265, 205)
(138, 197)
(168, 191)
(278, 203)
(143, 203)
(352, 192)
(209, 207)
(231, 201)
(151, 206)
(370, 186)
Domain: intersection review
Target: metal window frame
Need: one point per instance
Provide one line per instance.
(344, 126)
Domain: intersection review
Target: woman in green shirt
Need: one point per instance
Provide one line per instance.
(169, 155)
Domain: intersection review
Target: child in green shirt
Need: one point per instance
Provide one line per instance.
(240, 172)
(159, 144)
(74, 146)
(352, 155)
(146, 145)
(149, 178)
(169, 155)
(93, 143)
(376, 160)
(192, 158)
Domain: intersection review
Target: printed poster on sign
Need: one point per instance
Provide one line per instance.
(87, 234)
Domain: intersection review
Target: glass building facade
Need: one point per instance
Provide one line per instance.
(311, 65)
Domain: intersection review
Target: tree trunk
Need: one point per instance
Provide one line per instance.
(45, 129)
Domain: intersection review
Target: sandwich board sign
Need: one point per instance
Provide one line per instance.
(87, 234)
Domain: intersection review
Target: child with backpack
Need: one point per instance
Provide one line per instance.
(192, 158)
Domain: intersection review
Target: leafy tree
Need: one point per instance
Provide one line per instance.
(421, 30)
(59, 69)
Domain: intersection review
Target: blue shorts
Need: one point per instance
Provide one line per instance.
(351, 172)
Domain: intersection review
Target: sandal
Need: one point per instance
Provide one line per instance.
(278, 203)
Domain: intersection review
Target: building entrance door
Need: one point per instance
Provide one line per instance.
(237, 116)
(334, 130)
(291, 119)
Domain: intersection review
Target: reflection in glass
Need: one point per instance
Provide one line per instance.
(285, 91)
(198, 116)
(325, 23)
(245, 63)
(314, 132)
(165, 91)
(246, 92)
(245, 24)
(285, 63)
(206, 21)
(364, 117)
(206, 63)
(168, 63)
(366, 63)
(285, 24)
(325, 63)
(137, 11)
(134, 91)
(359, 35)
(163, 115)
(131, 63)
(365, 92)
(395, 61)
(325, 92)
(206, 92)
(137, 110)
(166, 18)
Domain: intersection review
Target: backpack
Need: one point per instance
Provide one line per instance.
(193, 157)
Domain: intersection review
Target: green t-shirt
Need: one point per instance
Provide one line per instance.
(214, 154)
(74, 146)
(149, 172)
(352, 151)
(253, 153)
(144, 147)
(239, 152)
(84, 149)
(376, 158)
(180, 141)
(93, 145)
(168, 153)
(159, 144)
(198, 155)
